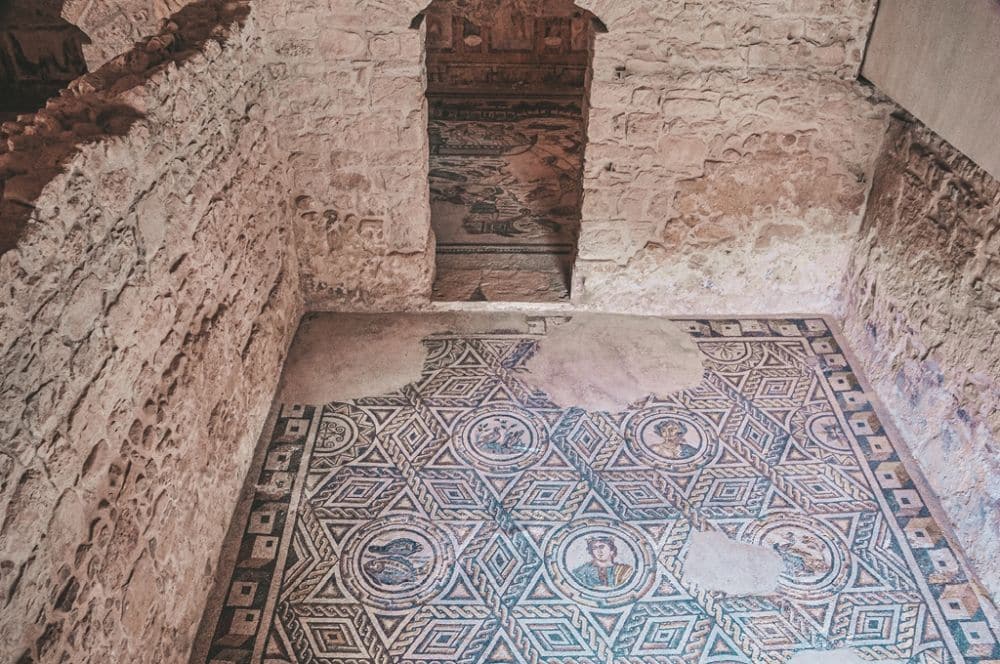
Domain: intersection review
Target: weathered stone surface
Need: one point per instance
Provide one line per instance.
(711, 124)
(354, 124)
(181, 205)
(144, 316)
(113, 26)
(923, 312)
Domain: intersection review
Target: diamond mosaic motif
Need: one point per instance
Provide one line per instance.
(466, 518)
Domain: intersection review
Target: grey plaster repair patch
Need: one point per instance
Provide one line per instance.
(351, 356)
(716, 563)
(605, 363)
(841, 656)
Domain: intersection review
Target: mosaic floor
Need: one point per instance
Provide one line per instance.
(466, 518)
(505, 196)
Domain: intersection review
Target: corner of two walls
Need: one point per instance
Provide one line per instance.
(730, 151)
(144, 318)
(146, 312)
(727, 166)
(349, 85)
(730, 163)
(922, 311)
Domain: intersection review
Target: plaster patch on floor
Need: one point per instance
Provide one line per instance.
(605, 363)
(469, 494)
(716, 563)
(352, 356)
(842, 656)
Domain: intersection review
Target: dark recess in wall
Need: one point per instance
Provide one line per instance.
(40, 53)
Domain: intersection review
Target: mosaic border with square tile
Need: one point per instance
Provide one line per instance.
(490, 525)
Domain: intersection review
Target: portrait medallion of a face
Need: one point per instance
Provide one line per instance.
(600, 562)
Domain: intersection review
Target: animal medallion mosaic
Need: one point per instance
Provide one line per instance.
(506, 183)
(466, 518)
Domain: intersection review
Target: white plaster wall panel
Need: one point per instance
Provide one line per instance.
(939, 61)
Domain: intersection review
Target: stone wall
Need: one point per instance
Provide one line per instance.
(113, 26)
(164, 223)
(923, 313)
(729, 155)
(144, 317)
(350, 89)
(730, 152)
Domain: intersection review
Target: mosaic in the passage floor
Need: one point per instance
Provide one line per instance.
(505, 181)
(466, 518)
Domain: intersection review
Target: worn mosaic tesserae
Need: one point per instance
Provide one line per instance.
(467, 518)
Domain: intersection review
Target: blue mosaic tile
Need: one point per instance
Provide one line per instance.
(466, 518)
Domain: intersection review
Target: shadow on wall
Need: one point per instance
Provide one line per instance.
(40, 53)
(34, 149)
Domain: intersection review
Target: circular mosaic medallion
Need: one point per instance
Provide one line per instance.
(667, 438)
(815, 426)
(726, 351)
(814, 555)
(501, 439)
(824, 430)
(731, 355)
(344, 431)
(397, 562)
(599, 562)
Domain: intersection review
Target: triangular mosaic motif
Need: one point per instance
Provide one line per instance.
(465, 518)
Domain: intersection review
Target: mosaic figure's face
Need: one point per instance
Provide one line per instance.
(603, 552)
(671, 432)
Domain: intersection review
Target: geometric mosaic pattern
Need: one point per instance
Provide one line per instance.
(465, 518)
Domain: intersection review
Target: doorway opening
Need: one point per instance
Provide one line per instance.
(507, 89)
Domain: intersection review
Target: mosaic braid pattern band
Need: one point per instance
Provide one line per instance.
(466, 518)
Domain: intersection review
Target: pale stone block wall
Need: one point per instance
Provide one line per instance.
(730, 152)
(195, 195)
(923, 314)
(144, 317)
(113, 26)
(729, 158)
(349, 89)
